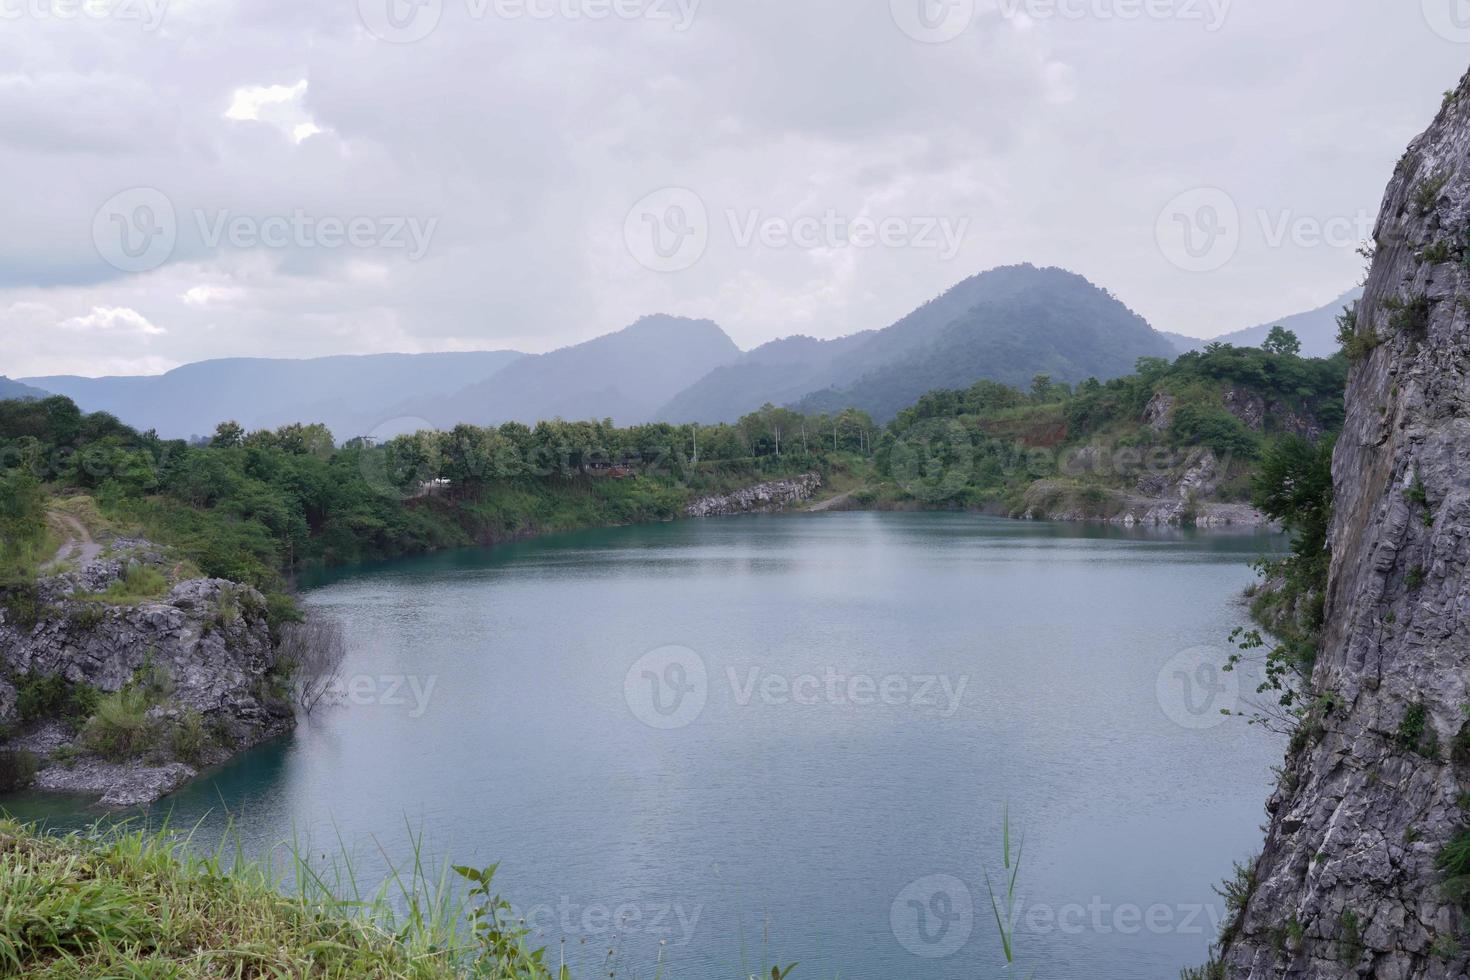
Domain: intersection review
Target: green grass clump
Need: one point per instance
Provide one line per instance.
(121, 728)
(138, 905)
(1416, 734)
(1426, 195)
(139, 583)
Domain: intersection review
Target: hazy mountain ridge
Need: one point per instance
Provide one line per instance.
(1316, 329)
(351, 395)
(1007, 324)
(1019, 322)
(624, 376)
(15, 389)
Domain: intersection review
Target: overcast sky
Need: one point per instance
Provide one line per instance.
(293, 178)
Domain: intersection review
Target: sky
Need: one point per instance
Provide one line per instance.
(192, 179)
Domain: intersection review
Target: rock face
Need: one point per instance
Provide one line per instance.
(1159, 411)
(209, 638)
(760, 499)
(1347, 884)
(1177, 496)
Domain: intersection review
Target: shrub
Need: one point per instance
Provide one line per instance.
(188, 738)
(1350, 938)
(1215, 428)
(1426, 195)
(41, 698)
(310, 656)
(120, 729)
(1410, 317)
(139, 583)
(1237, 891)
(22, 604)
(1416, 734)
(17, 769)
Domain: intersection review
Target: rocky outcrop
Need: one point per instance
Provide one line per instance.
(1160, 411)
(1247, 406)
(760, 499)
(205, 648)
(1178, 496)
(1347, 884)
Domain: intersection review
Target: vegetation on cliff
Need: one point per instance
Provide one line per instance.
(1100, 442)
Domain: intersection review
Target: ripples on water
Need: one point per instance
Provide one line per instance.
(834, 824)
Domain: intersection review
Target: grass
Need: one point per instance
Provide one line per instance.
(128, 903)
(120, 729)
(120, 904)
(139, 583)
(1003, 904)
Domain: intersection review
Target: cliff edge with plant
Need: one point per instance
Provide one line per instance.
(1366, 865)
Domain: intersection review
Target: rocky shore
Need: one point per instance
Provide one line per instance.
(198, 664)
(763, 498)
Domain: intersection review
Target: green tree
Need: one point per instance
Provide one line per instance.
(22, 513)
(1282, 341)
(228, 435)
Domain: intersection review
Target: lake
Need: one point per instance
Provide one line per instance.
(794, 738)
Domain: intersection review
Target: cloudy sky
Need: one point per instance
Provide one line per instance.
(203, 178)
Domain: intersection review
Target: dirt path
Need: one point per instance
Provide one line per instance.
(80, 543)
(831, 502)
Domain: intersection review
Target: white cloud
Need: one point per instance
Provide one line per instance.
(1060, 139)
(206, 295)
(283, 106)
(112, 319)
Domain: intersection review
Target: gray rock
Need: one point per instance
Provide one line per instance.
(1160, 411)
(118, 784)
(760, 499)
(1247, 406)
(209, 636)
(1359, 818)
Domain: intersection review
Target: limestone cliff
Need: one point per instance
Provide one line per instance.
(1347, 884)
(204, 650)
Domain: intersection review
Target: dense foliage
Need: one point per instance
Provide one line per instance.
(987, 444)
(253, 506)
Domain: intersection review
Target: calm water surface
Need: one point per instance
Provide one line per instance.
(824, 757)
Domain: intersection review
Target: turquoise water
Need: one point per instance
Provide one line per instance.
(793, 738)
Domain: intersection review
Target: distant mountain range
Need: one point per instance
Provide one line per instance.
(624, 376)
(1316, 329)
(14, 389)
(1008, 325)
(350, 395)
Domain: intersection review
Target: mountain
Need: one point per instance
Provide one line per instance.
(624, 376)
(1008, 324)
(14, 389)
(1316, 329)
(351, 395)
